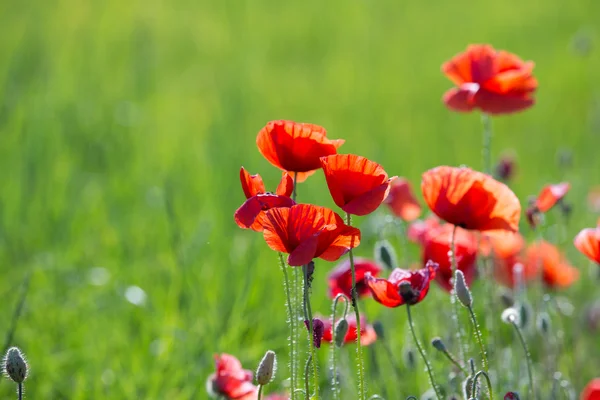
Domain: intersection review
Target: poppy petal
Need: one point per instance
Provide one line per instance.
(459, 100)
(250, 215)
(494, 103)
(550, 195)
(344, 239)
(276, 230)
(369, 201)
(384, 292)
(251, 184)
(588, 243)
(402, 201)
(304, 252)
(286, 185)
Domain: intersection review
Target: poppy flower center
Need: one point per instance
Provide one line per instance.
(409, 295)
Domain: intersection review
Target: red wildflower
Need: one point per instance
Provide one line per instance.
(402, 287)
(470, 199)
(305, 231)
(418, 229)
(295, 147)
(402, 201)
(550, 195)
(231, 380)
(592, 390)
(340, 278)
(357, 185)
(367, 332)
(588, 243)
(556, 271)
(251, 214)
(496, 82)
(437, 249)
(506, 251)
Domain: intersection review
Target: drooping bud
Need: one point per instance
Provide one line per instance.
(507, 299)
(266, 369)
(462, 291)
(318, 330)
(506, 167)
(340, 331)
(14, 365)
(438, 344)
(385, 254)
(510, 316)
(525, 314)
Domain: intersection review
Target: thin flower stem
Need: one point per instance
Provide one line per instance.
(294, 313)
(260, 388)
(311, 332)
(306, 374)
(462, 350)
(487, 143)
(527, 357)
(391, 358)
(334, 378)
(484, 359)
(362, 392)
(454, 361)
(20, 391)
(489, 383)
(292, 321)
(423, 355)
(294, 192)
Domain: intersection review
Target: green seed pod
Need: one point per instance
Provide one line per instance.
(438, 344)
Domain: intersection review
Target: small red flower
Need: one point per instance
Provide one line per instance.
(340, 278)
(251, 214)
(588, 243)
(437, 249)
(550, 195)
(305, 231)
(295, 147)
(402, 201)
(357, 185)
(592, 390)
(470, 199)
(231, 380)
(367, 332)
(506, 251)
(418, 229)
(556, 271)
(402, 287)
(496, 82)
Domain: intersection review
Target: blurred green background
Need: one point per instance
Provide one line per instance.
(123, 126)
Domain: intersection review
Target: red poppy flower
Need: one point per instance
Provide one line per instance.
(340, 278)
(367, 332)
(496, 82)
(592, 390)
(402, 287)
(357, 185)
(550, 195)
(305, 231)
(295, 147)
(251, 214)
(470, 199)
(437, 249)
(506, 252)
(418, 229)
(402, 201)
(231, 380)
(588, 242)
(556, 271)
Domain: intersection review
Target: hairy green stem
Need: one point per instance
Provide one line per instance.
(293, 322)
(489, 383)
(309, 317)
(260, 388)
(527, 357)
(334, 378)
(306, 374)
(462, 349)
(487, 143)
(484, 359)
(20, 390)
(454, 361)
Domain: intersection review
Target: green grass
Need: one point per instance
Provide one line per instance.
(123, 126)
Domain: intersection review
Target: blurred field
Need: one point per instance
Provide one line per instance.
(123, 126)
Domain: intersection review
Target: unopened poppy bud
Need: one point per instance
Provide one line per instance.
(525, 313)
(543, 323)
(438, 344)
(510, 316)
(507, 299)
(266, 369)
(566, 208)
(378, 326)
(409, 357)
(511, 396)
(385, 254)
(462, 291)
(341, 329)
(505, 168)
(318, 330)
(15, 367)
(534, 217)
(467, 385)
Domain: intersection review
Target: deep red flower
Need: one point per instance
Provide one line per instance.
(340, 278)
(592, 390)
(367, 332)
(306, 231)
(402, 201)
(357, 185)
(251, 214)
(402, 287)
(550, 195)
(437, 249)
(295, 147)
(588, 243)
(511, 396)
(418, 229)
(496, 82)
(231, 380)
(470, 199)
(556, 271)
(318, 327)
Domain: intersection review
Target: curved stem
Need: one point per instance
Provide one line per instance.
(306, 373)
(484, 359)
(489, 383)
(309, 317)
(260, 388)
(462, 350)
(487, 143)
(423, 355)
(334, 378)
(292, 321)
(527, 357)
(359, 353)
(454, 361)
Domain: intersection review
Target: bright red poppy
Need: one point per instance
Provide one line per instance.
(403, 286)
(588, 243)
(251, 214)
(340, 278)
(231, 380)
(556, 271)
(357, 184)
(550, 195)
(592, 390)
(402, 201)
(295, 147)
(367, 332)
(306, 231)
(418, 229)
(506, 252)
(470, 199)
(495, 82)
(437, 248)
